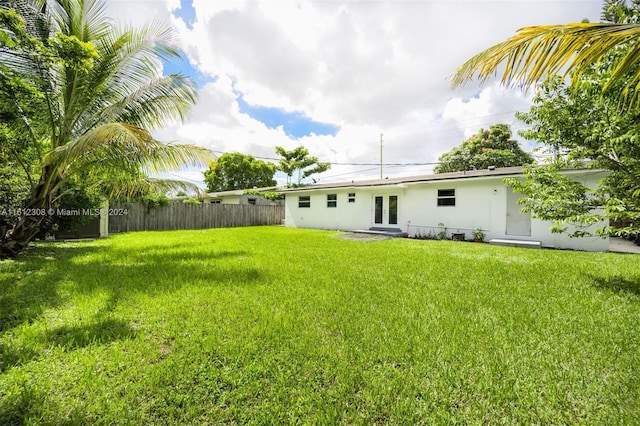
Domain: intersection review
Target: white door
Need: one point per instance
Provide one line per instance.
(518, 223)
(385, 210)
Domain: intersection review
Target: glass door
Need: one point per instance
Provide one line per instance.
(385, 210)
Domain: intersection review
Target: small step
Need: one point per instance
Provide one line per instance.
(515, 243)
(383, 229)
(392, 232)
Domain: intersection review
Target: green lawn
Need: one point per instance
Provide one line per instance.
(271, 325)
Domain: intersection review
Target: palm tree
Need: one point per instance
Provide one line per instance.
(98, 94)
(541, 52)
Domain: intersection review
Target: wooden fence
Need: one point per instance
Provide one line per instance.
(131, 217)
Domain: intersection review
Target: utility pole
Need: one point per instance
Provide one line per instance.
(380, 155)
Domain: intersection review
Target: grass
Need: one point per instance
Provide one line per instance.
(277, 326)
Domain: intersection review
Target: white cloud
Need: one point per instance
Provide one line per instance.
(367, 66)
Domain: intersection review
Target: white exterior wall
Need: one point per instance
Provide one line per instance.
(476, 207)
(481, 203)
(344, 217)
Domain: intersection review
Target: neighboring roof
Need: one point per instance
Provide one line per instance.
(504, 171)
(238, 192)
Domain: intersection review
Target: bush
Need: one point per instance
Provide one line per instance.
(155, 200)
(192, 200)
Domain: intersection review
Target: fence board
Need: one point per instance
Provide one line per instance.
(187, 216)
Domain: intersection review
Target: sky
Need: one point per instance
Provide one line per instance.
(340, 76)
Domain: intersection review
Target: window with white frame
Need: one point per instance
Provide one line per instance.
(351, 198)
(446, 197)
(304, 201)
(332, 200)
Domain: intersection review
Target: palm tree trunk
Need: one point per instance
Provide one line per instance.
(22, 233)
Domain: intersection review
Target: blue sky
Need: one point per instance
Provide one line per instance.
(295, 124)
(186, 12)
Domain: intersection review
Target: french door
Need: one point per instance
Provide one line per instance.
(385, 209)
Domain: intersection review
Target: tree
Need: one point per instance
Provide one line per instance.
(492, 147)
(238, 171)
(298, 159)
(542, 52)
(86, 95)
(580, 127)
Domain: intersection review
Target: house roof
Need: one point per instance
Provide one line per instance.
(503, 171)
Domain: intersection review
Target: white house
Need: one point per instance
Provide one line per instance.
(455, 203)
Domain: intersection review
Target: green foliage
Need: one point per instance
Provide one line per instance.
(578, 127)
(298, 159)
(491, 147)
(555, 197)
(74, 196)
(238, 171)
(192, 201)
(72, 53)
(14, 192)
(181, 194)
(155, 200)
(269, 195)
(222, 326)
(478, 235)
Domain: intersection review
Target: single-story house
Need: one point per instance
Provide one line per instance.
(454, 203)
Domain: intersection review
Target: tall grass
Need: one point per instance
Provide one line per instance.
(276, 326)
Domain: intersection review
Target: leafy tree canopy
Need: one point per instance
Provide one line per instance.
(578, 127)
(491, 147)
(298, 159)
(239, 171)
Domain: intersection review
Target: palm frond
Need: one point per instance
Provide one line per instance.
(126, 147)
(541, 52)
(125, 81)
(152, 103)
(119, 187)
(84, 19)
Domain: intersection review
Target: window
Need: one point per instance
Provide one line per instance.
(446, 197)
(352, 197)
(332, 200)
(252, 201)
(215, 201)
(304, 201)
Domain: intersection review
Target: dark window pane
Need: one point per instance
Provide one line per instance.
(378, 210)
(393, 209)
(304, 201)
(446, 192)
(446, 197)
(446, 201)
